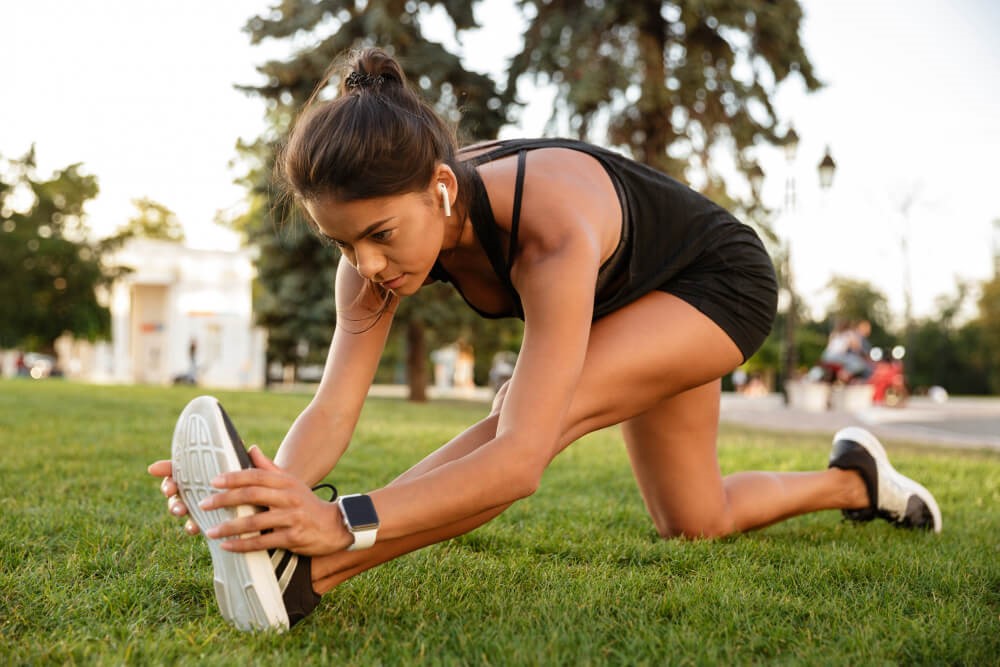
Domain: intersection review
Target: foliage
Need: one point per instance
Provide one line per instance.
(856, 300)
(988, 327)
(152, 220)
(956, 358)
(668, 81)
(672, 83)
(963, 356)
(94, 571)
(49, 270)
(296, 271)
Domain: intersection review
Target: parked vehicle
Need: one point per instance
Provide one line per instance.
(888, 379)
(885, 375)
(37, 366)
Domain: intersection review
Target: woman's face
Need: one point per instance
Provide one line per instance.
(393, 241)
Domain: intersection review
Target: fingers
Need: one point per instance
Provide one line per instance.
(168, 487)
(176, 506)
(247, 531)
(261, 496)
(296, 520)
(273, 478)
(297, 531)
(261, 461)
(273, 540)
(160, 469)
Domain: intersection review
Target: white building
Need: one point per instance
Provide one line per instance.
(180, 311)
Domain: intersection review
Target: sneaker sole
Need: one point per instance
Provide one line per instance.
(877, 452)
(245, 586)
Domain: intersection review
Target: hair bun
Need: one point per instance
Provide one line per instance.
(362, 81)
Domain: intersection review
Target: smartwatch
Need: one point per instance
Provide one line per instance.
(360, 518)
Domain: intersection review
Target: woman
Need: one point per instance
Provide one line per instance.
(625, 279)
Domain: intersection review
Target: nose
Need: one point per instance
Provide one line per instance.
(370, 262)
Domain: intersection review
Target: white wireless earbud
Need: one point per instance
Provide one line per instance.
(445, 199)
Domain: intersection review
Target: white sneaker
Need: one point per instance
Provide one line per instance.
(894, 497)
(256, 590)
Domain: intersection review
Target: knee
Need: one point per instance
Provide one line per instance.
(695, 527)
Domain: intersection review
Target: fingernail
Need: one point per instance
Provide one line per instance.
(212, 532)
(218, 481)
(206, 503)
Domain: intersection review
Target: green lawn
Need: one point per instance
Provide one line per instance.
(93, 570)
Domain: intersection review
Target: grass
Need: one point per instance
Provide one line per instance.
(94, 571)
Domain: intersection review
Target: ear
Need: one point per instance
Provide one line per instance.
(444, 180)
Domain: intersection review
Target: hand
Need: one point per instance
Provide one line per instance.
(168, 488)
(298, 520)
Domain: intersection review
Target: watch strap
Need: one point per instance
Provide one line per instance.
(363, 539)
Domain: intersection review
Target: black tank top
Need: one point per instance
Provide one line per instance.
(665, 226)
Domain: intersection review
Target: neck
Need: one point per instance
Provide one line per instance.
(455, 237)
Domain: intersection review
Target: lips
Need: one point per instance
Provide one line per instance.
(395, 282)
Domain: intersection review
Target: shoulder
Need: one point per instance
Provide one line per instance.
(557, 180)
(566, 193)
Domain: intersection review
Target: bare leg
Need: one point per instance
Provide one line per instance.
(669, 356)
(673, 451)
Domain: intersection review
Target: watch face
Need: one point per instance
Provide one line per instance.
(359, 512)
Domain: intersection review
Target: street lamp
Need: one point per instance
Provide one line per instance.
(826, 169)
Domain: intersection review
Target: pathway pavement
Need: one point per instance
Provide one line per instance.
(958, 422)
(972, 423)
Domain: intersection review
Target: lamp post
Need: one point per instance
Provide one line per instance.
(827, 168)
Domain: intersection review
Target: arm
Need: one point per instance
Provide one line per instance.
(565, 234)
(320, 435)
(555, 279)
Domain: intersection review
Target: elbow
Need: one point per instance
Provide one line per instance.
(526, 479)
(525, 487)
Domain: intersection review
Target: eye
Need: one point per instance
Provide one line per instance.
(330, 239)
(382, 236)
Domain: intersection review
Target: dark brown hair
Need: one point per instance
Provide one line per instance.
(377, 138)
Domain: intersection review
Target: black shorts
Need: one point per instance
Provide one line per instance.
(733, 283)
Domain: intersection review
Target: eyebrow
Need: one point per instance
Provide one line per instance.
(367, 230)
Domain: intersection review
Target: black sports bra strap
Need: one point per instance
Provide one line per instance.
(515, 217)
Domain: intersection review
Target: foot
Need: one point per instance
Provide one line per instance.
(259, 590)
(894, 497)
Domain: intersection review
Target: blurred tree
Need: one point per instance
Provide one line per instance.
(152, 220)
(49, 271)
(668, 81)
(671, 83)
(988, 326)
(296, 271)
(856, 300)
(941, 351)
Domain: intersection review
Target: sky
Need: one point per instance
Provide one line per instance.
(141, 93)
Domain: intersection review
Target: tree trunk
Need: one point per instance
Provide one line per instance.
(416, 359)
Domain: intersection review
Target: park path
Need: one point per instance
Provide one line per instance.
(970, 423)
(958, 422)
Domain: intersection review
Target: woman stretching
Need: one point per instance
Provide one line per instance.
(637, 295)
